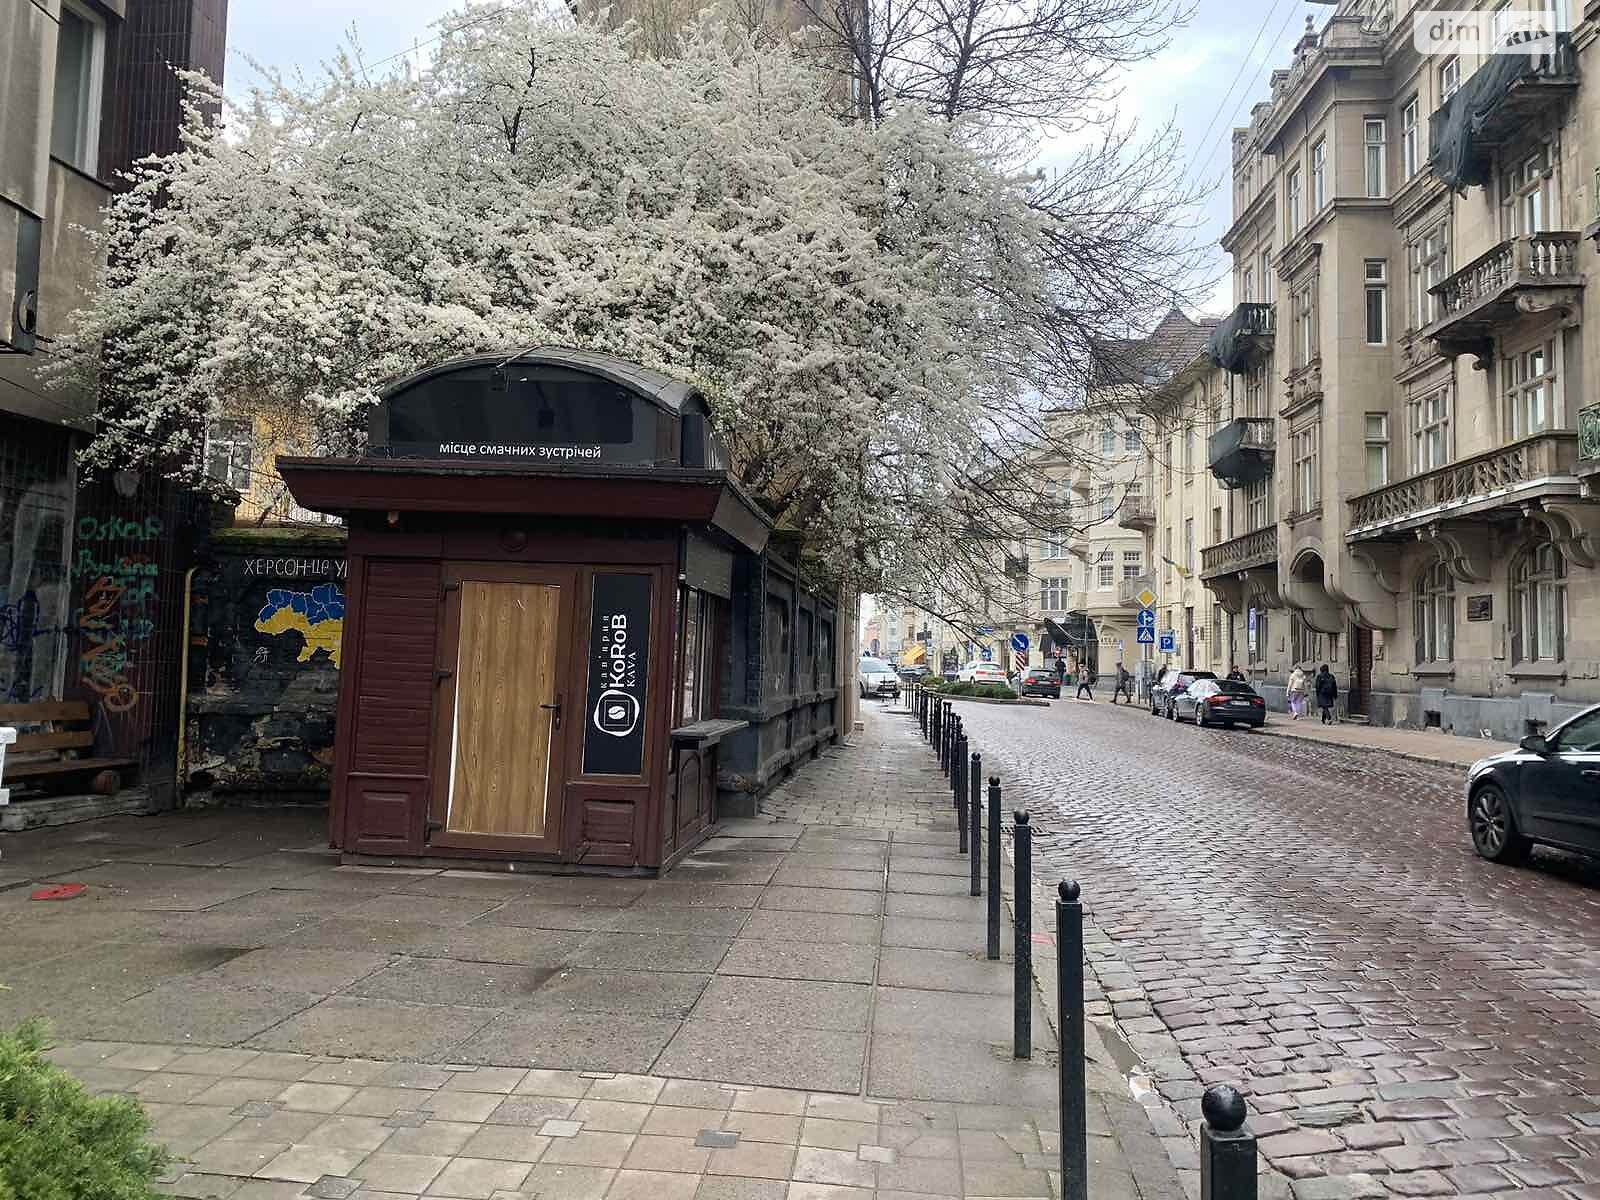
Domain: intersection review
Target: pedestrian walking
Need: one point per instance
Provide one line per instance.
(1061, 670)
(1086, 680)
(1235, 674)
(1327, 693)
(1297, 693)
(1124, 685)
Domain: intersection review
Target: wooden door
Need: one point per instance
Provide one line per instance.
(505, 712)
(1360, 691)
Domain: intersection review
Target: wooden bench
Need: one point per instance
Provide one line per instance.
(53, 750)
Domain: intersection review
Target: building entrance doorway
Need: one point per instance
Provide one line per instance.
(1358, 700)
(500, 734)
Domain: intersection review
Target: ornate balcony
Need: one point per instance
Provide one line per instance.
(1520, 275)
(1137, 512)
(1243, 338)
(1496, 106)
(1128, 590)
(1509, 478)
(1589, 433)
(1258, 548)
(1241, 452)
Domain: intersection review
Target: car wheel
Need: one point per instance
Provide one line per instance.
(1494, 829)
(1199, 717)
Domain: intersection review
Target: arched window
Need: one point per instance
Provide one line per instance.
(1436, 615)
(1539, 605)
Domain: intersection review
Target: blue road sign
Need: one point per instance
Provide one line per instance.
(983, 630)
(1019, 642)
(1147, 618)
(1145, 635)
(986, 654)
(1169, 642)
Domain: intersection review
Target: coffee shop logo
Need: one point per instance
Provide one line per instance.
(616, 711)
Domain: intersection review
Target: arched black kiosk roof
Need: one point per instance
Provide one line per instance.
(549, 405)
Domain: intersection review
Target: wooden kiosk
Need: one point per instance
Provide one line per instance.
(541, 558)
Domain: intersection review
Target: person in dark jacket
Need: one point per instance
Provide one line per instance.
(1124, 685)
(1236, 675)
(1061, 670)
(1327, 691)
(1086, 682)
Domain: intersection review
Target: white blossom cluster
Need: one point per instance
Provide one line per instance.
(856, 299)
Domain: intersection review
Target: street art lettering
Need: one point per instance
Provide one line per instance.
(103, 658)
(105, 529)
(317, 615)
(297, 567)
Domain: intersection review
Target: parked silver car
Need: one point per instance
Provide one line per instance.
(874, 677)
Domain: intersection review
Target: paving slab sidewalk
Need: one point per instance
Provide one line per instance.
(801, 1010)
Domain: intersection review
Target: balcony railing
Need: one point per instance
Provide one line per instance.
(1478, 301)
(1128, 590)
(1241, 451)
(1496, 105)
(1258, 548)
(1243, 337)
(1497, 477)
(1137, 512)
(1589, 432)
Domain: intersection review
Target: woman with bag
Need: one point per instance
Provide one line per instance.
(1297, 693)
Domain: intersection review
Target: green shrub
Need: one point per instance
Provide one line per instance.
(59, 1143)
(994, 691)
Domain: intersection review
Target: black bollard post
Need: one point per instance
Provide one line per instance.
(949, 735)
(958, 777)
(1069, 1002)
(976, 805)
(963, 803)
(933, 727)
(1227, 1147)
(1022, 935)
(994, 867)
(942, 749)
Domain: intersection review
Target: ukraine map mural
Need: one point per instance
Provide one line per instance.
(317, 615)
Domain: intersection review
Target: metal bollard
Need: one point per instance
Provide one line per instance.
(1022, 934)
(949, 727)
(1227, 1147)
(994, 867)
(1069, 1002)
(976, 805)
(958, 777)
(942, 749)
(963, 803)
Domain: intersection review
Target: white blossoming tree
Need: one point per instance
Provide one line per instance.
(868, 305)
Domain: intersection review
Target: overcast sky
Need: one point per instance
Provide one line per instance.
(1189, 82)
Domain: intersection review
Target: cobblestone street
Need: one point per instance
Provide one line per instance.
(1310, 923)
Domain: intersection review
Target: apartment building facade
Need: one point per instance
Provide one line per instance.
(1411, 436)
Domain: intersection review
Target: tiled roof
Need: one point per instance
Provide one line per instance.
(1172, 344)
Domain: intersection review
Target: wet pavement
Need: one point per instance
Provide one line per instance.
(801, 1010)
(1309, 922)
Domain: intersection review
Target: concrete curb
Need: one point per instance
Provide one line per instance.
(1023, 702)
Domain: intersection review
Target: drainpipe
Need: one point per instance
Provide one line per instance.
(183, 684)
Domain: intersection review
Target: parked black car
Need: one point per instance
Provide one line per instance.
(1041, 681)
(1547, 791)
(1172, 681)
(1220, 702)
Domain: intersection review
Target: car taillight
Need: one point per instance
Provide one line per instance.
(1216, 699)
(1257, 700)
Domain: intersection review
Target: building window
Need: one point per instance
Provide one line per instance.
(1409, 138)
(1377, 300)
(1305, 643)
(1132, 564)
(1216, 525)
(1188, 452)
(1166, 552)
(1319, 175)
(1377, 446)
(1052, 546)
(1131, 436)
(1188, 544)
(1436, 615)
(1266, 274)
(1526, 198)
(1449, 78)
(1530, 390)
(1258, 504)
(1296, 202)
(230, 453)
(1307, 477)
(1430, 431)
(1539, 605)
(1107, 572)
(1428, 258)
(75, 106)
(1305, 324)
(1108, 505)
(1258, 639)
(1217, 612)
(1255, 391)
(1055, 594)
(1376, 135)
(1247, 285)
(1108, 441)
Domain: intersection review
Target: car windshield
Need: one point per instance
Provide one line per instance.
(1235, 688)
(871, 665)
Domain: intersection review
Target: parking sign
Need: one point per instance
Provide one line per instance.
(1169, 642)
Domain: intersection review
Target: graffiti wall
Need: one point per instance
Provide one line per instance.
(268, 617)
(36, 504)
